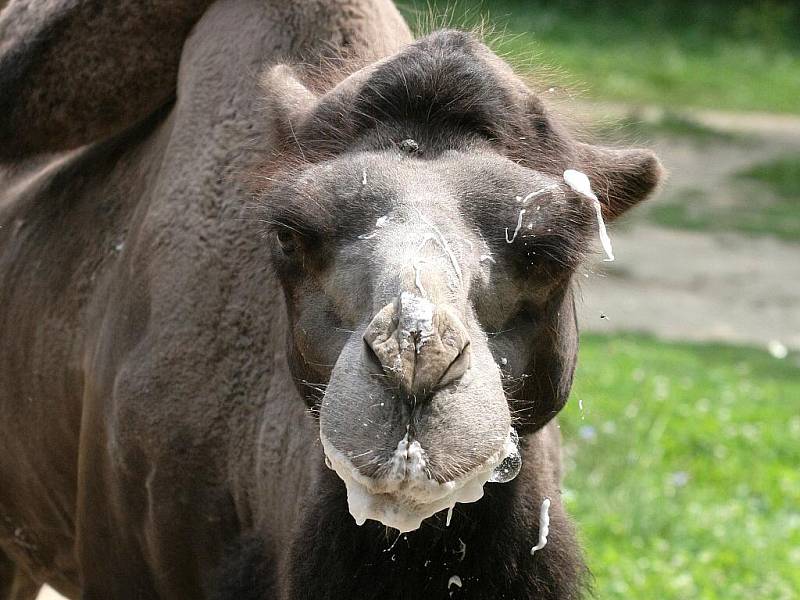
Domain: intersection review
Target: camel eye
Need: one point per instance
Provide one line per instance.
(287, 239)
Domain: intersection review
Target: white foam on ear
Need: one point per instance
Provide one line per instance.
(601, 229)
(580, 184)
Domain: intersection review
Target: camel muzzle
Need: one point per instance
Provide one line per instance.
(421, 345)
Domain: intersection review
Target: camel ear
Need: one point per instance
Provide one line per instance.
(76, 71)
(620, 178)
(288, 101)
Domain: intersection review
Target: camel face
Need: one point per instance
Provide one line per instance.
(399, 305)
(425, 238)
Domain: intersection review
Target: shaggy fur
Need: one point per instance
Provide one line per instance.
(79, 71)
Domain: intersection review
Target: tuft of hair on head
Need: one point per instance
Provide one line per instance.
(453, 89)
(492, 29)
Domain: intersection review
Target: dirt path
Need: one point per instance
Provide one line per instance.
(682, 285)
(704, 286)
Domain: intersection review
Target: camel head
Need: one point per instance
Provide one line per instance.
(426, 241)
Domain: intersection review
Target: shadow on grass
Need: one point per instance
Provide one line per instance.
(639, 128)
(762, 200)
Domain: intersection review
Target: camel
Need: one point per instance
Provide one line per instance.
(286, 305)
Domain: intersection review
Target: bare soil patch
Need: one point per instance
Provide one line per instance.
(703, 285)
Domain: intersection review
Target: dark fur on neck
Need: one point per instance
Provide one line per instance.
(487, 545)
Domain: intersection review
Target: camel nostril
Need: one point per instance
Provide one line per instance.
(458, 367)
(422, 345)
(372, 358)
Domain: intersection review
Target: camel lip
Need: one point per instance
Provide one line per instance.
(403, 502)
(392, 484)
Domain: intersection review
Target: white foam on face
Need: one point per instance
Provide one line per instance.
(580, 184)
(408, 459)
(537, 193)
(544, 525)
(417, 280)
(416, 316)
(443, 243)
(516, 229)
(403, 502)
(509, 468)
(462, 550)
(521, 200)
(379, 223)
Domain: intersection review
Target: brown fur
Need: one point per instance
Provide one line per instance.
(156, 350)
(73, 72)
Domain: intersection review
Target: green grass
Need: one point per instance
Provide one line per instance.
(702, 54)
(683, 469)
(781, 175)
(751, 211)
(669, 124)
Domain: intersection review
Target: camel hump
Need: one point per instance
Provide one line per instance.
(75, 71)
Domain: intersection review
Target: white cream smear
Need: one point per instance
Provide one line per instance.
(379, 223)
(443, 243)
(580, 184)
(416, 317)
(516, 229)
(407, 496)
(544, 525)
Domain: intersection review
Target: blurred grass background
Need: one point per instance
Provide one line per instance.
(733, 55)
(770, 207)
(683, 459)
(682, 469)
